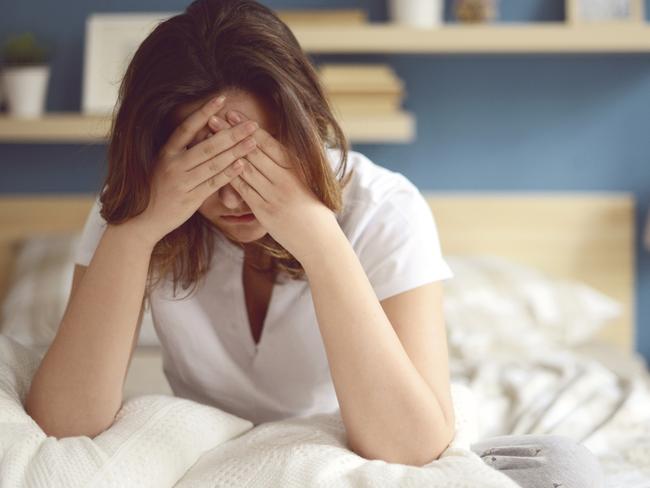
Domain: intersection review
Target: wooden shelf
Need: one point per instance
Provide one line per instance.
(54, 127)
(74, 128)
(528, 38)
(547, 37)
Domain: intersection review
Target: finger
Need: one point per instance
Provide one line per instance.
(216, 124)
(248, 193)
(274, 150)
(219, 180)
(265, 141)
(265, 165)
(251, 175)
(209, 168)
(216, 144)
(186, 131)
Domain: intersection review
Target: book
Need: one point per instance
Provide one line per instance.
(365, 103)
(360, 78)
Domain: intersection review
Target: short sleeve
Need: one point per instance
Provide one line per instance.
(399, 246)
(90, 236)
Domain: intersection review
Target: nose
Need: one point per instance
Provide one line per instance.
(230, 197)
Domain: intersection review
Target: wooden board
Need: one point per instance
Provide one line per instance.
(584, 237)
(510, 38)
(65, 128)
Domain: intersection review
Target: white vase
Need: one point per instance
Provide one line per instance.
(416, 13)
(24, 89)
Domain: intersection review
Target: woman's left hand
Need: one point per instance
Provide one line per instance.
(271, 185)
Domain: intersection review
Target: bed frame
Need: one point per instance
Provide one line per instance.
(582, 236)
(587, 237)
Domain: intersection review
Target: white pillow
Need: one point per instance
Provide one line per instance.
(153, 441)
(495, 306)
(38, 291)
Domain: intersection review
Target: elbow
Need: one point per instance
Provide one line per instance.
(416, 453)
(67, 424)
(53, 428)
(439, 446)
(434, 449)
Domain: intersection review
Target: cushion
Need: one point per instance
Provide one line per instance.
(38, 291)
(494, 306)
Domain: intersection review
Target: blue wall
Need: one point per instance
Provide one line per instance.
(514, 122)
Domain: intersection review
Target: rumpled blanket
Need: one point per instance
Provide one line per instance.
(553, 391)
(160, 440)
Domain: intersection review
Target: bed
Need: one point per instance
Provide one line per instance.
(552, 275)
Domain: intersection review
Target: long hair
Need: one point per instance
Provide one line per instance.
(216, 45)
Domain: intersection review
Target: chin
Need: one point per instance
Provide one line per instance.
(250, 237)
(242, 234)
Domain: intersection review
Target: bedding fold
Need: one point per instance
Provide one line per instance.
(159, 440)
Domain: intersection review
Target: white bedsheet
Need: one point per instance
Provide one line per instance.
(157, 440)
(547, 391)
(555, 391)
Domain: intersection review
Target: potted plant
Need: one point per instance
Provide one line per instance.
(25, 75)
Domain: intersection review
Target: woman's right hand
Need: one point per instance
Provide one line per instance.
(183, 178)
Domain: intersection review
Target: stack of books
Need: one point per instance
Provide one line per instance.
(362, 89)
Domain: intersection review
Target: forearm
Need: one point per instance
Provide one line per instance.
(388, 409)
(77, 389)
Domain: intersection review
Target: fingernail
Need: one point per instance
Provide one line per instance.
(214, 121)
(234, 117)
(219, 100)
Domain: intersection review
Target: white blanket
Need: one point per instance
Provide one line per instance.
(156, 441)
(558, 391)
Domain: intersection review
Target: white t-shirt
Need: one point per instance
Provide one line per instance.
(209, 354)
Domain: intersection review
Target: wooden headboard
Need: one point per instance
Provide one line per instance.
(582, 236)
(588, 237)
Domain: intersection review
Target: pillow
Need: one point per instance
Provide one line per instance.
(495, 306)
(38, 291)
(153, 441)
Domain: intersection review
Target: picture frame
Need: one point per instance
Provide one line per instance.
(608, 12)
(110, 42)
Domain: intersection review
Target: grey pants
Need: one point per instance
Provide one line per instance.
(542, 461)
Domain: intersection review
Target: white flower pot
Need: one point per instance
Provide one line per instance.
(24, 89)
(417, 13)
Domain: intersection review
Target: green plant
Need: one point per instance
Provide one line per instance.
(24, 49)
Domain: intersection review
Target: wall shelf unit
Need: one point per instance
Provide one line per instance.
(74, 128)
(379, 38)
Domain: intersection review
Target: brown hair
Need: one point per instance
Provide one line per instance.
(213, 46)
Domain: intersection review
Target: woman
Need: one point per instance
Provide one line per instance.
(310, 289)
